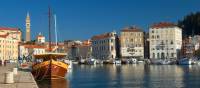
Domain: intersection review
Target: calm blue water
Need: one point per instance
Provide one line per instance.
(129, 76)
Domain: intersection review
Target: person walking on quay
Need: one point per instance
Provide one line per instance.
(4, 62)
(1, 62)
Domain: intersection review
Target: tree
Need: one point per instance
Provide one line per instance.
(190, 24)
(197, 53)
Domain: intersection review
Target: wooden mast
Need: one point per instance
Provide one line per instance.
(49, 29)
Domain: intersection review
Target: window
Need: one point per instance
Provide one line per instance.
(111, 40)
(158, 55)
(131, 40)
(152, 37)
(153, 55)
(172, 42)
(152, 31)
(172, 54)
(112, 48)
(158, 36)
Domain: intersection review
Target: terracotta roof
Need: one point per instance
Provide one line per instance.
(4, 36)
(102, 36)
(7, 28)
(33, 46)
(40, 36)
(131, 29)
(163, 25)
(87, 42)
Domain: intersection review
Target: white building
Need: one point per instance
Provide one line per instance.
(165, 40)
(31, 49)
(40, 38)
(104, 46)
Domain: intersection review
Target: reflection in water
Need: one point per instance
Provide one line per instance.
(61, 83)
(164, 76)
(129, 76)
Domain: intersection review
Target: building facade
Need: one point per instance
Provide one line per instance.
(28, 28)
(28, 50)
(85, 49)
(104, 46)
(40, 38)
(132, 43)
(188, 47)
(165, 41)
(9, 41)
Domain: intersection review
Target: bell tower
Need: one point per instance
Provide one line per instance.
(28, 28)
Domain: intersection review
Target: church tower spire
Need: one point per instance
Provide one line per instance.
(28, 28)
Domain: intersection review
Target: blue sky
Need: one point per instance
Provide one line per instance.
(81, 19)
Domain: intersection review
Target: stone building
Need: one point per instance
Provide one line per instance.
(165, 40)
(132, 43)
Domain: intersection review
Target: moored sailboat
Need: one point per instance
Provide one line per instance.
(48, 66)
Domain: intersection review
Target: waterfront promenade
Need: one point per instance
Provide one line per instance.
(23, 79)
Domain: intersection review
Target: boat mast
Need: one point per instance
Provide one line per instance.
(56, 32)
(49, 13)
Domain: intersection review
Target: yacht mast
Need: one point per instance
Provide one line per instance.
(56, 32)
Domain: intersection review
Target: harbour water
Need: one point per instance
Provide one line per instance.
(129, 76)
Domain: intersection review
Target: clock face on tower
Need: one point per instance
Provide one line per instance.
(28, 30)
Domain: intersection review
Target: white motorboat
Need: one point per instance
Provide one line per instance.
(165, 62)
(140, 62)
(91, 61)
(99, 61)
(118, 62)
(82, 61)
(133, 61)
(185, 61)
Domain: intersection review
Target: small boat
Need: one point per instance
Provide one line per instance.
(69, 62)
(99, 61)
(133, 61)
(25, 66)
(140, 62)
(118, 62)
(82, 61)
(49, 68)
(185, 61)
(91, 61)
(165, 62)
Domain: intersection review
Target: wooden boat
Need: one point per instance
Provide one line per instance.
(49, 68)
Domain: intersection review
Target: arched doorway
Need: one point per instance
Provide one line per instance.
(162, 55)
(153, 55)
(158, 55)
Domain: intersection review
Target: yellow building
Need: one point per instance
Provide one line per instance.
(9, 41)
(132, 43)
